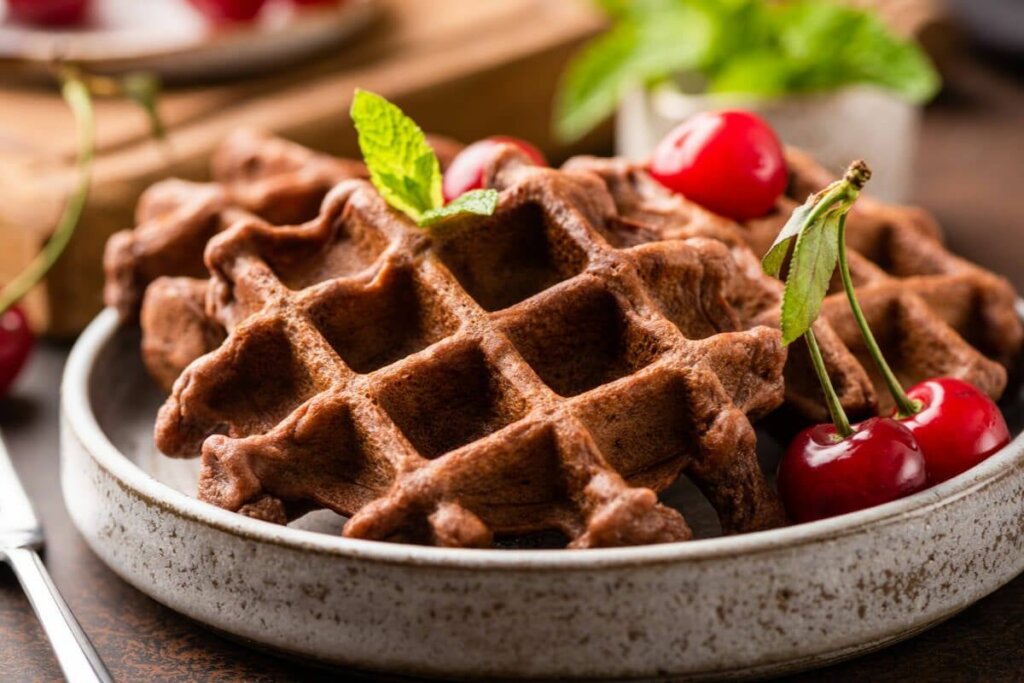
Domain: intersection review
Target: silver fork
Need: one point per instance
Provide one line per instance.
(21, 536)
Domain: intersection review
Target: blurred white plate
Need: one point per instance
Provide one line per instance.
(172, 39)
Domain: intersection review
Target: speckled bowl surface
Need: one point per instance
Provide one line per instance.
(754, 604)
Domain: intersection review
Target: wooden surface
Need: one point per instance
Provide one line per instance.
(466, 68)
(971, 164)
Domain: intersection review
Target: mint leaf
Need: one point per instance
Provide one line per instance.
(596, 79)
(830, 45)
(402, 166)
(762, 73)
(772, 261)
(814, 260)
(878, 56)
(479, 202)
(652, 40)
(738, 27)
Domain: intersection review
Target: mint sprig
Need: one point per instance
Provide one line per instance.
(817, 229)
(404, 168)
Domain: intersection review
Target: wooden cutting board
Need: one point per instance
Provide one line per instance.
(465, 68)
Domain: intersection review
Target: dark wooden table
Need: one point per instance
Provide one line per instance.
(971, 164)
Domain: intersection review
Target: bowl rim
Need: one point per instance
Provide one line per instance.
(77, 415)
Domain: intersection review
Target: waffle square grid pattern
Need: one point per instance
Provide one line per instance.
(511, 378)
(934, 314)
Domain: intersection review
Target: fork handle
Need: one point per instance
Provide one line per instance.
(77, 657)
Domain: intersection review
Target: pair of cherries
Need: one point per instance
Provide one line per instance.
(955, 427)
(733, 164)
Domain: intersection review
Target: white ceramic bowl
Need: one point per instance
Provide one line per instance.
(760, 603)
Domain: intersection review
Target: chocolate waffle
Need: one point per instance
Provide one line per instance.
(503, 375)
(254, 174)
(158, 266)
(934, 314)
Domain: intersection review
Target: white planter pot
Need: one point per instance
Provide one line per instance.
(861, 122)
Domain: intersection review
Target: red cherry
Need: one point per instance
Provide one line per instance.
(466, 171)
(957, 427)
(822, 475)
(15, 346)
(730, 162)
(48, 12)
(229, 11)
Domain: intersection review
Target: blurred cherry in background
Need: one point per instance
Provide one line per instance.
(229, 11)
(49, 12)
(242, 11)
(16, 341)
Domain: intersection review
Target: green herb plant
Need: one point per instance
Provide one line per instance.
(816, 235)
(756, 47)
(404, 168)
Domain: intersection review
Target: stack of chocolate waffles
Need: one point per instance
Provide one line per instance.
(550, 367)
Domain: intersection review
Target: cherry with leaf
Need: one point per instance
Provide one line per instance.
(941, 427)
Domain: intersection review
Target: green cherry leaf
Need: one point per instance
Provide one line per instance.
(810, 271)
(776, 256)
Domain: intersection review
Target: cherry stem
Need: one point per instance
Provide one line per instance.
(905, 406)
(843, 191)
(835, 408)
(78, 98)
